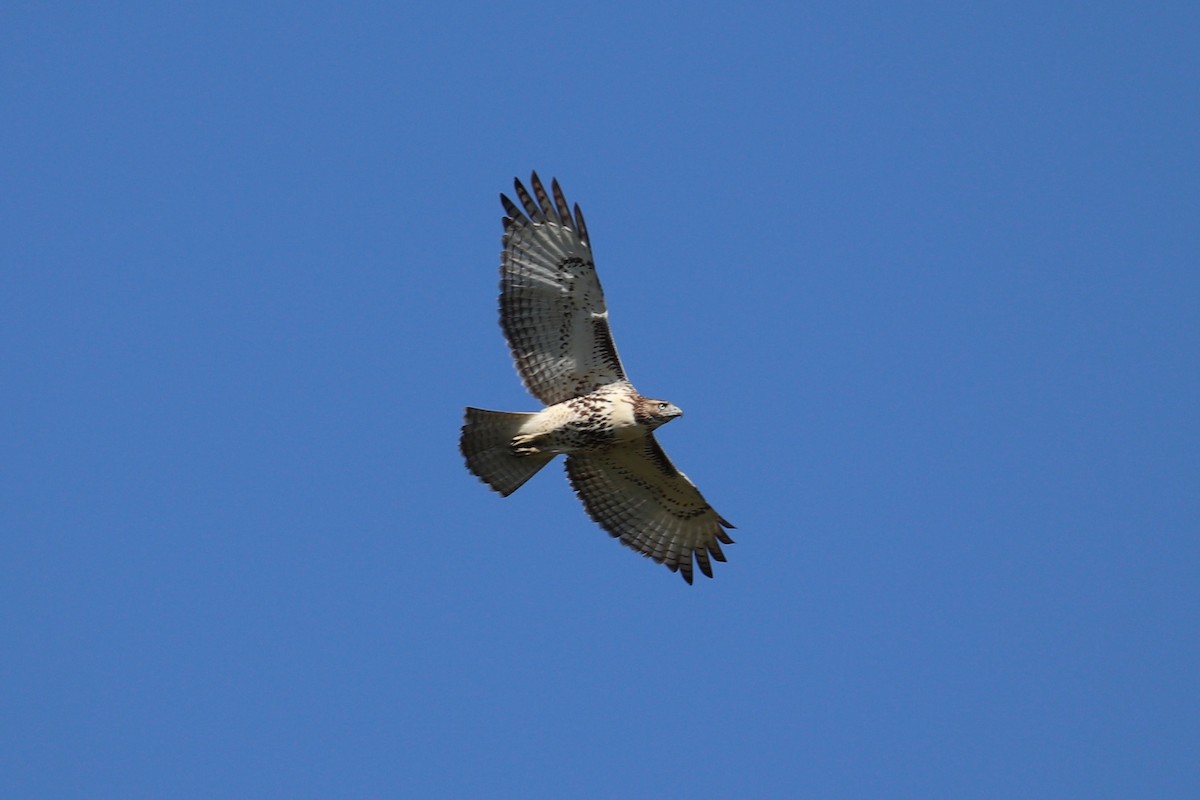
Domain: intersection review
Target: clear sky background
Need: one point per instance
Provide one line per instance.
(925, 279)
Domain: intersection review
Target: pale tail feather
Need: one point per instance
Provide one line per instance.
(485, 444)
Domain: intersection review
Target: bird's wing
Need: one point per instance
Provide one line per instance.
(636, 494)
(551, 304)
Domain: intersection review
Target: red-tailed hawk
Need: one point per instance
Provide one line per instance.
(553, 315)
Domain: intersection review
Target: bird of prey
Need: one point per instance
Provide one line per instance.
(553, 314)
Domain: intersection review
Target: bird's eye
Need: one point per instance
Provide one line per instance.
(662, 406)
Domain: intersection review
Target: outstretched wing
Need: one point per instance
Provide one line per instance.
(638, 496)
(551, 305)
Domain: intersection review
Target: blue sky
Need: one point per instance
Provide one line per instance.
(925, 280)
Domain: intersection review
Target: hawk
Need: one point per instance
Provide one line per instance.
(553, 314)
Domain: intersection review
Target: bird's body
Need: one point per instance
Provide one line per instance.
(589, 422)
(553, 314)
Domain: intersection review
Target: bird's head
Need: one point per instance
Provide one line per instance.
(653, 413)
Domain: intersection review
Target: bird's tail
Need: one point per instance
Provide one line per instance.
(486, 436)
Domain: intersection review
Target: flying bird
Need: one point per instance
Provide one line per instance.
(553, 314)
